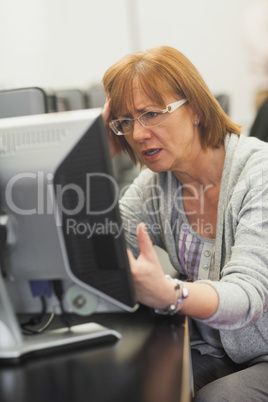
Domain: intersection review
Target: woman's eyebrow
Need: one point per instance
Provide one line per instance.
(125, 116)
(147, 108)
(144, 109)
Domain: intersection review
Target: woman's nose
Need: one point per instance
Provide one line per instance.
(140, 133)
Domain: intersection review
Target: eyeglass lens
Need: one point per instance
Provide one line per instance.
(151, 118)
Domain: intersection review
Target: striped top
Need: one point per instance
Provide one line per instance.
(196, 254)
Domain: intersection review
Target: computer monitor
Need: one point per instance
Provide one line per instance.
(64, 238)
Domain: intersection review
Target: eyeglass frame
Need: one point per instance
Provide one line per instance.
(171, 107)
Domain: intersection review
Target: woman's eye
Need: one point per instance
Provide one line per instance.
(152, 114)
(125, 123)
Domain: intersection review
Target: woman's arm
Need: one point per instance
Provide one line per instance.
(155, 290)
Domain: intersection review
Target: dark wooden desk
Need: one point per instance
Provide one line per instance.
(149, 364)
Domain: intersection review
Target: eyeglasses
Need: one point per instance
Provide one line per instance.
(152, 118)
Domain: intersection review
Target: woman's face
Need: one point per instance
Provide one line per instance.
(171, 146)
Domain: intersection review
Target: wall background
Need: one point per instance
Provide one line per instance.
(70, 43)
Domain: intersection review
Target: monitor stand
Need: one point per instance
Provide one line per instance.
(14, 345)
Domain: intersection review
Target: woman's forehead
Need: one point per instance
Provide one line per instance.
(138, 95)
(140, 98)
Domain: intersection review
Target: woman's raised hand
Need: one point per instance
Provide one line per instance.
(151, 285)
(106, 115)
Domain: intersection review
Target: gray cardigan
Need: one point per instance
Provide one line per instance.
(240, 273)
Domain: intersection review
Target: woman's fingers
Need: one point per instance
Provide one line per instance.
(106, 112)
(106, 116)
(145, 243)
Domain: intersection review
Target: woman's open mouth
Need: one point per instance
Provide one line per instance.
(152, 153)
